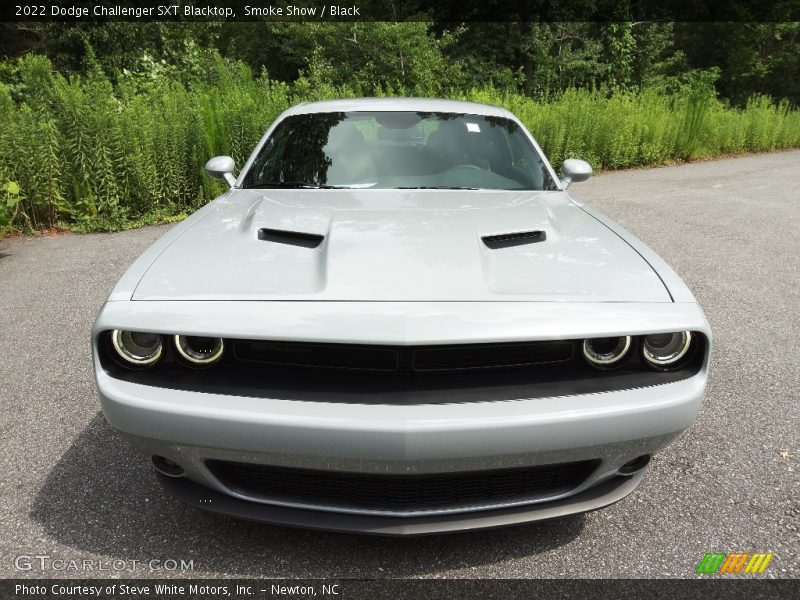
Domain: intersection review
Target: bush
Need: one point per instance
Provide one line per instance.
(86, 154)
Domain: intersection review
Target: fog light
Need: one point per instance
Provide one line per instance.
(137, 348)
(635, 465)
(167, 467)
(606, 353)
(665, 350)
(199, 351)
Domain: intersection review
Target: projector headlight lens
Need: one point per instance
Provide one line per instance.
(137, 348)
(606, 353)
(199, 351)
(665, 350)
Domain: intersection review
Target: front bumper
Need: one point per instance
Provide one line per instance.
(191, 428)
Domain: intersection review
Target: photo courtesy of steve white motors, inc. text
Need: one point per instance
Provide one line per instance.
(185, 10)
(171, 589)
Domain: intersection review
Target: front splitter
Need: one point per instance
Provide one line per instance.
(199, 496)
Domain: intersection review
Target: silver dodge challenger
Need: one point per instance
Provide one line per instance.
(396, 320)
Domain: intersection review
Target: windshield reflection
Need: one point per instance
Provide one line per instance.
(398, 150)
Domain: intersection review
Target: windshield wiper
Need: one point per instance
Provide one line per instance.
(289, 185)
(435, 187)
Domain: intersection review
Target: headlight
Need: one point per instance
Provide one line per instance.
(137, 348)
(608, 352)
(199, 351)
(665, 350)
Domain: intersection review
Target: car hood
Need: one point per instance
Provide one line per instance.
(398, 245)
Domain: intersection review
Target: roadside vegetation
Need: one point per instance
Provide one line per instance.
(106, 147)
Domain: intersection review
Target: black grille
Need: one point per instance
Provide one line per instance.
(485, 356)
(400, 375)
(400, 493)
(332, 356)
(396, 358)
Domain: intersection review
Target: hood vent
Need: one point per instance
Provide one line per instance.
(292, 238)
(508, 240)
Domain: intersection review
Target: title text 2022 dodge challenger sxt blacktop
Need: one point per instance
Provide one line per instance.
(397, 321)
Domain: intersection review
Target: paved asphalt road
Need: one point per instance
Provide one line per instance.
(73, 489)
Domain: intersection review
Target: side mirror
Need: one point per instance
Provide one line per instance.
(574, 171)
(221, 167)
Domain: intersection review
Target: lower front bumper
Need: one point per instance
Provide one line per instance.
(199, 496)
(192, 429)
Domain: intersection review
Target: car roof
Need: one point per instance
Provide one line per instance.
(398, 104)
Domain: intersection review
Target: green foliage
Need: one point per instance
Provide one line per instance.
(84, 152)
(620, 45)
(380, 58)
(751, 58)
(536, 58)
(9, 201)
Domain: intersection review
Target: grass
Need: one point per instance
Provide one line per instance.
(92, 156)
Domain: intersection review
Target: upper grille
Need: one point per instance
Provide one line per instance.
(332, 356)
(400, 493)
(400, 375)
(481, 356)
(393, 358)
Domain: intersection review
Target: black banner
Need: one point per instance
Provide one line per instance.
(407, 10)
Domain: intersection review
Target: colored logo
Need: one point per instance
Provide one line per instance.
(734, 562)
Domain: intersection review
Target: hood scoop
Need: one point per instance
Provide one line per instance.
(509, 240)
(291, 238)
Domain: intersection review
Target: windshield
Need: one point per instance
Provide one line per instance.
(398, 150)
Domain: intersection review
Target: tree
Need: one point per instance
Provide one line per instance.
(752, 57)
(375, 57)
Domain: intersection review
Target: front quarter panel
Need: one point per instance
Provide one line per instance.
(126, 286)
(673, 282)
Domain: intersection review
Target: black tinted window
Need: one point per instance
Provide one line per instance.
(399, 150)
